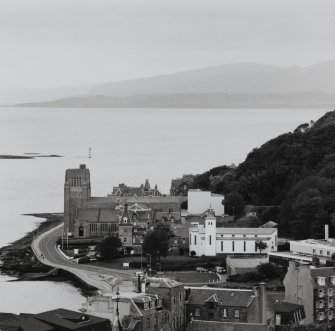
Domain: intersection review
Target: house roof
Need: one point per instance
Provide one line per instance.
(32, 323)
(164, 282)
(69, 319)
(286, 307)
(228, 297)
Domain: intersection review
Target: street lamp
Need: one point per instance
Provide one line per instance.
(150, 264)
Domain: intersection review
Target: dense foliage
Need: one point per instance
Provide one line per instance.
(109, 248)
(156, 242)
(294, 174)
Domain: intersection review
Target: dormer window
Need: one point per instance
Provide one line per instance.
(146, 306)
(321, 281)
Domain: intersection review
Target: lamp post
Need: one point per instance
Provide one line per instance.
(149, 264)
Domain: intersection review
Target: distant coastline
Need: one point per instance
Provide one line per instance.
(27, 156)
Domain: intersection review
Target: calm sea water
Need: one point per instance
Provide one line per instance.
(128, 145)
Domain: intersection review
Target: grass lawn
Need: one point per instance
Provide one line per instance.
(169, 263)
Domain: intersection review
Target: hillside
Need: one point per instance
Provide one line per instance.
(230, 85)
(295, 171)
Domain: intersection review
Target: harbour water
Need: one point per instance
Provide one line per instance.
(128, 146)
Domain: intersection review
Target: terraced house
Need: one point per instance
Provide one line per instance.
(313, 287)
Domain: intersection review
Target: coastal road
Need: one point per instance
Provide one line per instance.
(104, 279)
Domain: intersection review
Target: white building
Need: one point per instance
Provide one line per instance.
(200, 201)
(209, 240)
(321, 248)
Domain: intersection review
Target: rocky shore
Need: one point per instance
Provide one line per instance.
(17, 259)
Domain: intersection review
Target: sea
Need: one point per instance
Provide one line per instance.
(126, 146)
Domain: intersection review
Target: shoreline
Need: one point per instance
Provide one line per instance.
(19, 260)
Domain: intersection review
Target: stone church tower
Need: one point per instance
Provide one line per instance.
(77, 191)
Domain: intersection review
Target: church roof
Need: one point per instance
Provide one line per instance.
(97, 215)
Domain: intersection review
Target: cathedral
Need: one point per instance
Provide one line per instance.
(122, 213)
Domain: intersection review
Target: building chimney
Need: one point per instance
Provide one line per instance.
(326, 232)
(262, 302)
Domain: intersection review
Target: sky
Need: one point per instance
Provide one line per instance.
(52, 43)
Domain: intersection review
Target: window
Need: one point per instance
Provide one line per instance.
(180, 297)
(81, 231)
(236, 313)
(278, 319)
(314, 251)
(244, 246)
(328, 253)
(224, 313)
(76, 182)
(210, 239)
(321, 281)
(93, 227)
(146, 306)
(141, 241)
(195, 240)
(221, 246)
(233, 246)
(255, 246)
(197, 312)
(321, 252)
(174, 299)
(124, 239)
(104, 227)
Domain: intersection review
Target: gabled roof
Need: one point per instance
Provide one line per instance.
(226, 297)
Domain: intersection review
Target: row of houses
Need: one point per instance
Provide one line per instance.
(164, 304)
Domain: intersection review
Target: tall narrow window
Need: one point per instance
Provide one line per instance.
(221, 246)
(244, 246)
(210, 240)
(195, 239)
(233, 246)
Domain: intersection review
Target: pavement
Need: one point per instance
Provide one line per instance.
(104, 279)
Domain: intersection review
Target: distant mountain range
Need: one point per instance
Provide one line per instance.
(229, 85)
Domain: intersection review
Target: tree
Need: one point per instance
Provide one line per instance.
(156, 243)
(261, 245)
(234, 204)
(268, 270)
(109, 248)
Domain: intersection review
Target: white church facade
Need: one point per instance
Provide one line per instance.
(208, 240)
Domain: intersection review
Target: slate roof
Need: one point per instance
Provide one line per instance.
(258, 231)
(97, 215)
(69, 319)
(286, 307)
(228, 297)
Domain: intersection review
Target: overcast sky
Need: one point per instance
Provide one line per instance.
(47, 43)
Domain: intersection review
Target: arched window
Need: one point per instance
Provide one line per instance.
(81, 231)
